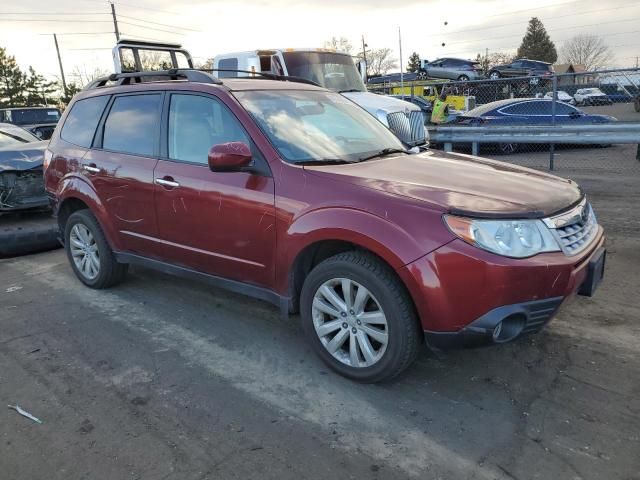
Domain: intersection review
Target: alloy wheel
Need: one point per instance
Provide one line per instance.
(350, 322)
(84, 251)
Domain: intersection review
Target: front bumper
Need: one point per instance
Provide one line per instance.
(460, 290)
(21, 190)
(500, 325)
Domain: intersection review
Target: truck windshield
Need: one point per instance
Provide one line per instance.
(334, 71)
(317, 126)
(30, 116)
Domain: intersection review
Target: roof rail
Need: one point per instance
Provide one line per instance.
(267, 75)
(129, 78)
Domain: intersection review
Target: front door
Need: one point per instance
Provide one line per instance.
(221, 223)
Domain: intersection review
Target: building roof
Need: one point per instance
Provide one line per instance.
(569, 68)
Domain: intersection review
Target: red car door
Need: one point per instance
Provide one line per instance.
(121, 170)
(221, 223)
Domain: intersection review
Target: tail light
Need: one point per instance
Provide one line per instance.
(48, 155)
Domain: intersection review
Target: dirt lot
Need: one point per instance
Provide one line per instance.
(163, 378)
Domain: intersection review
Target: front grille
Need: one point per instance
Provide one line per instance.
(576, 230)
(409, 127)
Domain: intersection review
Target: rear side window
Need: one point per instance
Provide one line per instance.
(132, 125)
(82, 121)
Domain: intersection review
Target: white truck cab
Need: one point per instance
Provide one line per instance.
(332, 70)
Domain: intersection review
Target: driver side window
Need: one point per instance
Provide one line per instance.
(197, 123)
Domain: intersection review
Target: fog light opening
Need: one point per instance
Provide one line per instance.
(509, 328)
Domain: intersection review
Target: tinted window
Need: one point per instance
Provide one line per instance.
(131, 126)
(227, 64)
(82, 121)
(198, 123)
(564, 109)
(528, 108)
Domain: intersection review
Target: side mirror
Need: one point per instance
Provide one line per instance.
(230, 156)
(362, 68)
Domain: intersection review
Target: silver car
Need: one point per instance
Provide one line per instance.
(451, 69)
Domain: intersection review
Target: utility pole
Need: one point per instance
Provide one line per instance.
(401, 67)
(364, 57)
(115, 20)
(64, 82)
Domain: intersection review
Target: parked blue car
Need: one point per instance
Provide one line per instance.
(529, 111)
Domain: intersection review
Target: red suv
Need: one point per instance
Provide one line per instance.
(293, 194)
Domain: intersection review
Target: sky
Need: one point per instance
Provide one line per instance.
(209, 27)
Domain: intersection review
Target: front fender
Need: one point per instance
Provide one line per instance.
(367, 230)
(76, 187)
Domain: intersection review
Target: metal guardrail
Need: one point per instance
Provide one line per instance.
(605, 134)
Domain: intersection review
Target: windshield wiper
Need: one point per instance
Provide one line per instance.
(382, 153)
(325, 161)
(349, 90)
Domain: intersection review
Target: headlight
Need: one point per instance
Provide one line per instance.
(510, 238)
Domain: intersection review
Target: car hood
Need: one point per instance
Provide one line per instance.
(22, 157)
(373, 102)
(461, 184)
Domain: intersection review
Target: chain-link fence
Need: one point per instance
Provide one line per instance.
(582, 98)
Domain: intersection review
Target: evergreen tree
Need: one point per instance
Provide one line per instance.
(414, 62)
(37, 90)
(12, 81)
(536, 44)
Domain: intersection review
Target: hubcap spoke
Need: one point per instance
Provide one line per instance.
(346, 292)
(338, 340)
(373, 317)
(325, 307)
(354, 357)
(331, 295)
(378, 335)
(328, 327)
(366, 348)
(361, 299)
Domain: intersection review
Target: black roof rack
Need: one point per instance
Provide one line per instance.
(266, 75)
(188, 74)
(129, 78)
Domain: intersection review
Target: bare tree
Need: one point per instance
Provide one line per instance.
(587, 50)
(83, 76)
(341, 44)
(380, 61)
(487, 62)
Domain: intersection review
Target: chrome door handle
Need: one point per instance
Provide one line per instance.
(91, 169)
(167, 183)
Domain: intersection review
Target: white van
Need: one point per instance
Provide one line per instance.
(332, 70)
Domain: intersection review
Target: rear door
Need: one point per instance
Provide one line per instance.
(121, 165)
(221, 223)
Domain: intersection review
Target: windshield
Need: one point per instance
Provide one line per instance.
(308, 126)
(32, 116)
(11, 136)
(334, 71)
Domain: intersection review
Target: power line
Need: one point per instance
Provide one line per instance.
(152, 28)
(52, 13)
(520, 22)
(79, 33)
(550, 30)
(131, 5)
(52, 20)
(156, 23)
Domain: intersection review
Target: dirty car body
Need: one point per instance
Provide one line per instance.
(308, 202)
(21, 178)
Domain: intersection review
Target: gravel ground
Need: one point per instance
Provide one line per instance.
(161, 378)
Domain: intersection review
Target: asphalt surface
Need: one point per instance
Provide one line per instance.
(162, 378)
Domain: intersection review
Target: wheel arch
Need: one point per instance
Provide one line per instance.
(310, 244)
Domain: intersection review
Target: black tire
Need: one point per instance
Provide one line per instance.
(494, 74)
(463, 78)
(402, 322)
(110, 271)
